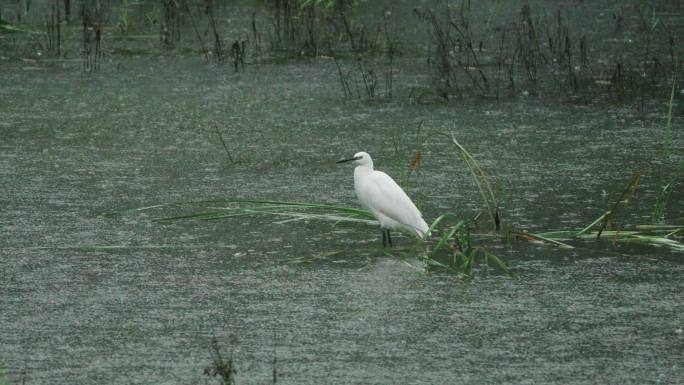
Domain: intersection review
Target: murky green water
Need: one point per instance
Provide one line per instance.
(91, 297)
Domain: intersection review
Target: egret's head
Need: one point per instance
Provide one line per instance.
(360, 159)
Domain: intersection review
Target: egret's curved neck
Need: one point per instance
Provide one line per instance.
(368, 166)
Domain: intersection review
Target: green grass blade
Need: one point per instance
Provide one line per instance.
(679, 230)
(668, 126)
(307, 205)
(444, 239)
(656, 241)
(614, 234)
(659, 227)
(435, 223)
(592, 224)
(501, 264)
(561, 235)
(480, 179)
(543, 239)
(256, 202)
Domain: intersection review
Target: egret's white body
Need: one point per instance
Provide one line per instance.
(380, 194)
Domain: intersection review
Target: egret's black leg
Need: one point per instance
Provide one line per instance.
(384, 238)
(389, 239)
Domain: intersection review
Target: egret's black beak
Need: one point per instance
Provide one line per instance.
(349, 160)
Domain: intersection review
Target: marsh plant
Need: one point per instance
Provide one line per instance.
(221, 366)
(93, 17)
(491, 50)
(124, 19)
(540, 51)
(453, 249)
(53, 27)
(605, 226)
(365, 80)
(329, 27)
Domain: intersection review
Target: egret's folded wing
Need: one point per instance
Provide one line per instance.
(389, 199)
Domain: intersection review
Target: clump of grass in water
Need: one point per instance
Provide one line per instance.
(451, 250)
(646, 234)
(656, 234)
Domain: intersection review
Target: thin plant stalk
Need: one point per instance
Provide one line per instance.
(483, 185)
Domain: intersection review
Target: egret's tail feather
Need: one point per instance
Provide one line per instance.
(422, 228)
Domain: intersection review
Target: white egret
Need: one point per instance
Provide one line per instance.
(380, 194)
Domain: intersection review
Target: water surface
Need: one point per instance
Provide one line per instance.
(91, 295)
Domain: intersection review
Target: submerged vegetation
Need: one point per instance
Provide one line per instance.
(492, 50)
